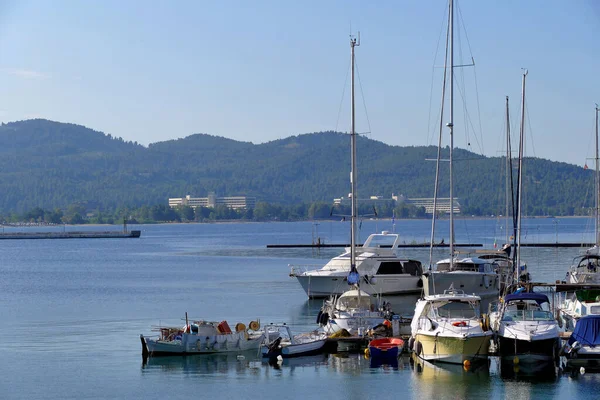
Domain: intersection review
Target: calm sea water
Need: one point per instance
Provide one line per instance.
(72, 312)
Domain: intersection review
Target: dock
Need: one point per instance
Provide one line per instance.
(425, 245)
(324, 245)
(71, 235)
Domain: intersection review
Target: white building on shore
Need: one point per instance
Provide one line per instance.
(235, 202)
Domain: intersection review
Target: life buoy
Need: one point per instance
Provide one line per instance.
(254, 325)
(240, 327)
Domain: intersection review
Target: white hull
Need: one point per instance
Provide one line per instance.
(297, 350)
(195, 344)
(324, 286)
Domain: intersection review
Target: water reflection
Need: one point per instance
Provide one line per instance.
(534, 372)
(442, 380)
(205, 364)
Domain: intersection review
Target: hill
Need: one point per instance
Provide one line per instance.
(52, 165)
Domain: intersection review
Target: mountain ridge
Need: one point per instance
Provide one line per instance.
(51, 164)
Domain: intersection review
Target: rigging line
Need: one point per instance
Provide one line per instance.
(362, 95)
(337, 122)
(468, 118)
(530, 130)
(460, 17)
(437, 47)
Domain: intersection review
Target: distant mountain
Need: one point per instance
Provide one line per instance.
(52, 165)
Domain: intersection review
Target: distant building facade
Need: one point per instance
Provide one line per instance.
(442, 205)
(235, 202)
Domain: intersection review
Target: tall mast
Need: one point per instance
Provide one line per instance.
(597, 184)
(520, 177)
(508, 170)
(439, 150)
(353, 43)
(451, 126)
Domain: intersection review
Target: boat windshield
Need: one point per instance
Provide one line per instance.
(456, 309)
(348, 303)
(381, 241)
(527, 315)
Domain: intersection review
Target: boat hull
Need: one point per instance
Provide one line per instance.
(296, 350)
(324, 286)
(454, 350)
(534, 351)
(194, 344)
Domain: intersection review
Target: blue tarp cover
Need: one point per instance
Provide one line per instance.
(538, 297)
(587, 331)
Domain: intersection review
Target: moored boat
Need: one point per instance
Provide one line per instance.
(583, 347)
(279, 341)
(449, 328)
(526, 330)
(202, 337)
(383, 270)
(385, 348)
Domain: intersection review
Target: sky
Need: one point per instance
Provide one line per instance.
(257, 71)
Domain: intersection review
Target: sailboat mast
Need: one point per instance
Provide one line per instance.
(597, 184)
(508, 171)
(451, 126)
(353, 43)
(520, 177)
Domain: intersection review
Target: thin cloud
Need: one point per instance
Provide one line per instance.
(25, 73)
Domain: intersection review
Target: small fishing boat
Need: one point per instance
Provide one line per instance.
(354, 311)
(279, 341)
(202, 337)
(583, 347)
(385, 348)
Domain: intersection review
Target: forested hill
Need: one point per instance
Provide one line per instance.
(52, 165)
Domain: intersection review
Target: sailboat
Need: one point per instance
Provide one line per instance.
(354, 310)
(582, 288)
(525, 327)
(586, 267)
(473, 275)
(448, 326)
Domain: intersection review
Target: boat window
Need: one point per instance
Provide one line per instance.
(413, 267)
(390, 267)
(443, 267)
(460, 266)
(456, 309)
(594, 310)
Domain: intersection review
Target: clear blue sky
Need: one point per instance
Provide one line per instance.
(256, 71)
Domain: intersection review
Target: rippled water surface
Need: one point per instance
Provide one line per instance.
(72, 312)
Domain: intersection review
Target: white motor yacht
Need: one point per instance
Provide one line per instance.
(448, 328)
(382, 270)
(526, 329)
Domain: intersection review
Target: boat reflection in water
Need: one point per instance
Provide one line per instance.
(205, 364)
(534, 372)
(302, 361)
(445, 380)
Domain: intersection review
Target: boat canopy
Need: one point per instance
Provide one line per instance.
(523, 296)
(587, 331)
